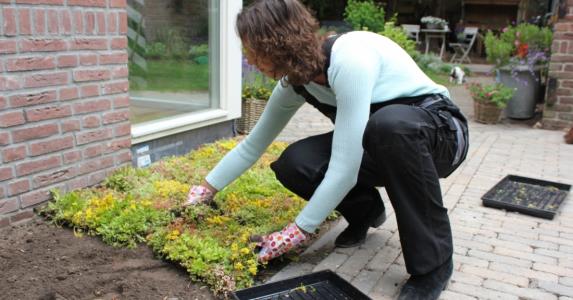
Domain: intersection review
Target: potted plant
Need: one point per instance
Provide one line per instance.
(434, 22)
(256, 92)
(489, 100)
(520, 54)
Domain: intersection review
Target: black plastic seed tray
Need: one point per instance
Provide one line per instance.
(323, 285)
(530, 196)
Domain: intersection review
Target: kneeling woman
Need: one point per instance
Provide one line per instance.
(394, 127)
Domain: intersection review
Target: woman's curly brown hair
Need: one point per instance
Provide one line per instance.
(286, 33)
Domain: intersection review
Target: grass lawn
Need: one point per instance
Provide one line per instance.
(170, 76)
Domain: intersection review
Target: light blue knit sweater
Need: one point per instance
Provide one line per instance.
(365, 68)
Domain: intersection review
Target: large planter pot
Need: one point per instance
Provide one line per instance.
(526, 84)
(251, 111)
(486, 112)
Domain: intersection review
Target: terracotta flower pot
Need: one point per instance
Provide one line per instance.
(486, 112)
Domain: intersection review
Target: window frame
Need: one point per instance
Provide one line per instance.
(229, 92)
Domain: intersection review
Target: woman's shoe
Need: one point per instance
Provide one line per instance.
(355, 234)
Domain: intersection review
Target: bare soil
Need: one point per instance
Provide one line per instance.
(41, 261)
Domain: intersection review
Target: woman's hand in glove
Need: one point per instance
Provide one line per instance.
(278, 243)
(199, 194)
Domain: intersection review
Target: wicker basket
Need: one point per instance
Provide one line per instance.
(250, 113)
(486, 112)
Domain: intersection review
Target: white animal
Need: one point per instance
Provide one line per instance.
(457, 75)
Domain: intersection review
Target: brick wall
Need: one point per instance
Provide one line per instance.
(64, 115)
(558, 112)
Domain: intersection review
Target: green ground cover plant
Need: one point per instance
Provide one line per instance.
(134, 206)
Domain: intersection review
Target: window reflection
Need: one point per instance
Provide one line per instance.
(173, 57)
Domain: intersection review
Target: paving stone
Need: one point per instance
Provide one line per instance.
(468, 278)
(523, 293)
(499, 258)
(472, 261)
(525, 255)
(390, 283)
(527, 272)
(497, 275)
(292, 270)
(556, 288)
(355, 263)
(366, 280)
(553, 269)
(449, 295)
(568, 281)
(384, 258)
(479, 292)
(331, 262)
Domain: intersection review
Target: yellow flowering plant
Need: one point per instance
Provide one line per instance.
(134, 206)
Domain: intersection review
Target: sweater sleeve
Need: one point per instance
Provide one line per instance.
(282, 105)
(352, 76)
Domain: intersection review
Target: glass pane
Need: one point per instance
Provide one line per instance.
(173, 57)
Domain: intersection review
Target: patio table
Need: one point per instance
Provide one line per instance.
(430, 34)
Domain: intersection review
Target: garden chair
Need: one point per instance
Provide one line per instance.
(413, 31)
(462, 49)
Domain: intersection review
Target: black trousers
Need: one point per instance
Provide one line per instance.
(406, 150)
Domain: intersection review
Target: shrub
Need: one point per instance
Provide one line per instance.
(364, 15)
(399, 36)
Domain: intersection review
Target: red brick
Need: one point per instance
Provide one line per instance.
(14, 153)
(120, 72)
(34, 132)
(90, 22)
(89, 44)
(5, 222)
(13, 118)
(49, 2)
(47, 113)
(68, 93)
(97, 177)
(10, 25)
(90, 3)
(67, 61)
(43, 45)
(116, 87)
(53, 145)
(35, 197)
(121, 101)
(46, 79)
(112, 25)
(40, 21)
(78, 22)
(122, 129)
(18, 187)
(33, 99)
(91, 90)
(30, 63)
(118, 3)
(115, 116)
(6, 173)
(118, 43)
(93, 151)
(53, 27)
(91, 121)
(9, 205)
(124, 157)
(122, 22)
(78, 183)
(6, 1)
(100, 23)
(66, 18)
(72, 156)
(92, 75)
(95, 165)
(54, 177)
(8, 46)
(38, 165)
(70, 125)
(22, 216)
(118, 144)
(4, 138)
(88, 60)
(86, 137)
(25, 21)
(92, 106)
(564, 92)
(9, 83)
(2, 102)
(562, 100)
(2, 192)
(114, 58)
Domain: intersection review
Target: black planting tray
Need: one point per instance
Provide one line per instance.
(323, 285)
(530, 196)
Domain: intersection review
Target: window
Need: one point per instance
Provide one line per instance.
(182, 56)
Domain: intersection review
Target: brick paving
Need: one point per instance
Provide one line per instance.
(498, 254)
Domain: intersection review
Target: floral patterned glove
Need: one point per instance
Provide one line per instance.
(278, 243)
(199, 194)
